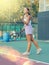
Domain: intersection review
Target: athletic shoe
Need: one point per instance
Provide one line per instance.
(39, 50)
(26, 53)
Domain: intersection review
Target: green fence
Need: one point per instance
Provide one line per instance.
(8, 27)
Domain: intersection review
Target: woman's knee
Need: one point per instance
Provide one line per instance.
(32, 39)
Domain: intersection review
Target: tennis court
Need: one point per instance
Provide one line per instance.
(20, 45)
(41, 59)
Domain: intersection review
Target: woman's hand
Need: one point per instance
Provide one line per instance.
(27, 20)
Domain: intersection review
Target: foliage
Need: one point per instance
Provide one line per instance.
(13, 10)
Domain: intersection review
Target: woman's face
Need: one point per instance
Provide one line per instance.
(25, 10)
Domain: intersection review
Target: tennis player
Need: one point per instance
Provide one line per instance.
(29, 32)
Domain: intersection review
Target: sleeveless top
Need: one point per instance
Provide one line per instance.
(29, 24)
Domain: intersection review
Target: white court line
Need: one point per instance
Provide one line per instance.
(39, 61)
(43, 40)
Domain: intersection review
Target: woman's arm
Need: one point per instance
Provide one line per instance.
(27, 20)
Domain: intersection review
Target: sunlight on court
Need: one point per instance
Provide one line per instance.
(12, 57)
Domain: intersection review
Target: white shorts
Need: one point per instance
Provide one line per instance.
(28, 30)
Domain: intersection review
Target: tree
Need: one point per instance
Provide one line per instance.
(13, 10)
(35, 8)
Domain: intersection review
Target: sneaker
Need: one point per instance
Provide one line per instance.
(26, 53)
(39, 50)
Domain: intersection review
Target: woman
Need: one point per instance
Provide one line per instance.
(28, 32)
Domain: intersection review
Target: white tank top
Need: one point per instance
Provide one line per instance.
(29, 22)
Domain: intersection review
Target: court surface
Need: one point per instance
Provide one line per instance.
(19, 47)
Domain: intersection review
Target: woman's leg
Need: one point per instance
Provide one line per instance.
(36, 45)
(29, 42)
(29, 45)
(35, 42)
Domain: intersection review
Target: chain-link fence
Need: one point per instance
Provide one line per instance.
(17, 27)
